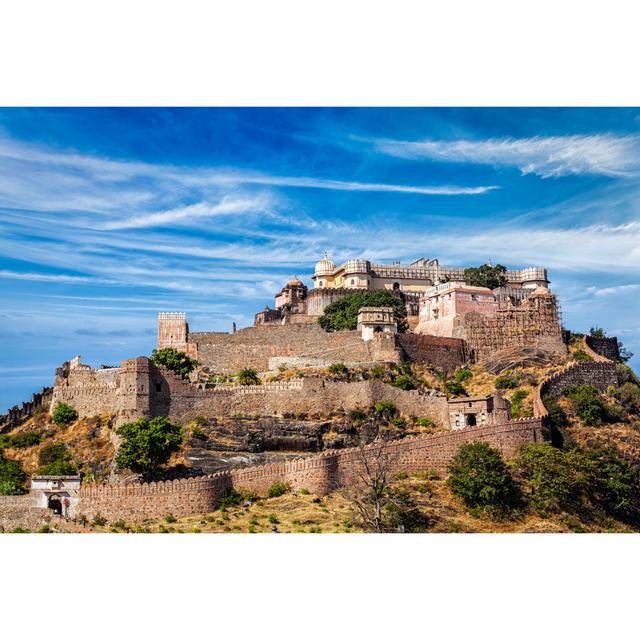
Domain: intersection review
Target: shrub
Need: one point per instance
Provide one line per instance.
(405, 382)
(479, 476)
(455, 388)
(119, 524)
(99, 520)
(377, 373)
(63, 414)
(174, 360)
(386, 410)
(357, 418)
(424, 422)
(629, 395)
(303, 491)
(55, 460)
(12, 477)
(198, 433)
(399, 423)
(44, 529)
(21, 440)
(338, 369)
(147, 444)
(506, 381)
(273, 519)
(551, 479)
(516, 401)
(230, 498)
(581, 356)
(278, 489)
(343, 313)
(170, 518)
(199, 421)
(248, 377)
(403, 475)
(462, 374)
(587, 403)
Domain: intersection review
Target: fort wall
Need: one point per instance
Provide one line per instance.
(318, 474)
(39, 401)
(252, 347)
(607, 348)
(443, 353)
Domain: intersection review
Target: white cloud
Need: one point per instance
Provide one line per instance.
(46, 277)
(609, 291)
(546, 156)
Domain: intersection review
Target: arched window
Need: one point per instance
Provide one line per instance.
(471, 420)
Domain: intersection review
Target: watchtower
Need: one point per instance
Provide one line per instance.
(374, 320)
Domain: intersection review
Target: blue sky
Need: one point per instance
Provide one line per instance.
(108, 216)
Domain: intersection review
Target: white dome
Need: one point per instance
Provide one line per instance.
(325, 266)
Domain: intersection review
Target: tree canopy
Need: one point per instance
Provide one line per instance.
(174, 360)
(343, 313)
(486, 276)
(147, 444)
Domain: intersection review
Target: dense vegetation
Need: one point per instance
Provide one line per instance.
(486, 276)
(248, 377)
(20, 440)
(147, 444)
(343, 313)
(12, 477)
(174, 360)
(63, 414)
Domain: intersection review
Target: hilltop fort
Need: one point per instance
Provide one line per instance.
(451, 322)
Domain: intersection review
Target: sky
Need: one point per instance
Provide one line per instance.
(108, 216)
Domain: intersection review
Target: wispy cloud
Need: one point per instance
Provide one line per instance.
(546, 156)
(46, 277)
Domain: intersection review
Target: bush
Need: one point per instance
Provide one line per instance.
(170, 518)
(425, 422)
(230, 498)
(506, 381)
(20, 440)
(278, 489)
(399, 423)
(343, 313)
(119, 524)
(55, 460)
(581, 356)
(405, 382)
(629, 395)
(248, 377)
(63, 414)
(551, 479)
(516, 400)
(479, 476)
(303, 492)
(462, 374)
(587, 403)
(377, 373)
(147, 444)
(174, 360)
(198, 433)
(199, 421)
(455, 388)
(401, 510)
(338, 369)
(99, 520)
(12, 477)
(386, 410)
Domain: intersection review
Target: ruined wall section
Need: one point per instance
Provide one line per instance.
(607, 348)
(319, 474)
(446, 354)
(252, 347)
(182, 401)
(39, 401)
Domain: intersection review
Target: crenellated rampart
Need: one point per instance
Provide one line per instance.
(15, 415)
(319, 474)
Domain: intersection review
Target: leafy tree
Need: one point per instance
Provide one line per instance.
(597, 332)
(63, 414)
(462, 374)
(55, 460)
(147, 444)
(12, 477)
(343, 313)
(486, 276)
(248, 377)
(455, 388)
(174, 360)
(479, 476)
(551, 479)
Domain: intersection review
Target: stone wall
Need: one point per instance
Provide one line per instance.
(600, 375)
(252, 347)
(318, 474)
(605, 347)
(182, 401)
(446, 354)
(20, 511)
(15, 415)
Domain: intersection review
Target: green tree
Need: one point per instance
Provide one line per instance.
(248, 377)
(63, 414)
(147, 444)
(12, 477)
(174, 360)
(587, 403)
(343, 313)
(479, 476)
(486, 276)
(552, 480)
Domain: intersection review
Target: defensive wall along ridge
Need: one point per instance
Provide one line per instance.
(319, 474)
